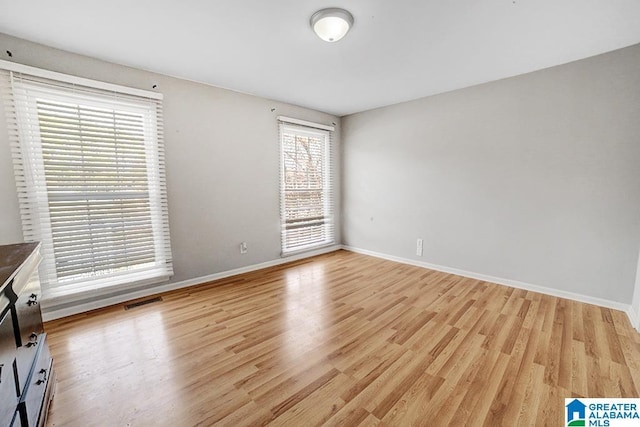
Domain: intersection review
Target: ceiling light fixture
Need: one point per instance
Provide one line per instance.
(331, 24)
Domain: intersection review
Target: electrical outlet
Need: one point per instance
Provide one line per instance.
(243, 248)
(419, 247)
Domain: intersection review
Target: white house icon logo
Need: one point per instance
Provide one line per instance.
(576, 413)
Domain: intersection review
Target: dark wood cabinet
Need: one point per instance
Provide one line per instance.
(27, 377)
(31, 403)
(8, 392)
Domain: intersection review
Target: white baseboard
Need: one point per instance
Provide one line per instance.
(506, 282)
(634, 318)
(52, 313)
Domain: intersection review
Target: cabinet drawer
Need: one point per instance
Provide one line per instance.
(25, 356)
(33, 397)
(8, 392)
(27, 309)
(28, 318)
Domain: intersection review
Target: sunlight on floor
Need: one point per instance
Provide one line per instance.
(134, 355)
(305, 319)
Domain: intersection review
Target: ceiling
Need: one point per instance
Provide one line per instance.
(397, 50)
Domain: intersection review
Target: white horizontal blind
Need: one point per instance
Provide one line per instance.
(89, 167)
(306, 187)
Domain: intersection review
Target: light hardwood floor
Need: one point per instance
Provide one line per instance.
(341, 339)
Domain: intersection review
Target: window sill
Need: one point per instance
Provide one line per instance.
(74, 294)
(306, 249)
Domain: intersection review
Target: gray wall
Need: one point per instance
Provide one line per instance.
(535, 178)
(222, 156)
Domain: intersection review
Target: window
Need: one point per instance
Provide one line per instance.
(306, 196)
(89, 167)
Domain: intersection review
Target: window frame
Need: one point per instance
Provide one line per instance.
(308, 129)
(29, 165)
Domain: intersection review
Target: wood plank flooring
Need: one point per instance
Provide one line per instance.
(342, 340)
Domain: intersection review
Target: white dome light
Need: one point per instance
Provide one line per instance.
(331, 24)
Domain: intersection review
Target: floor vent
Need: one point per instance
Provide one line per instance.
(143, 302)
